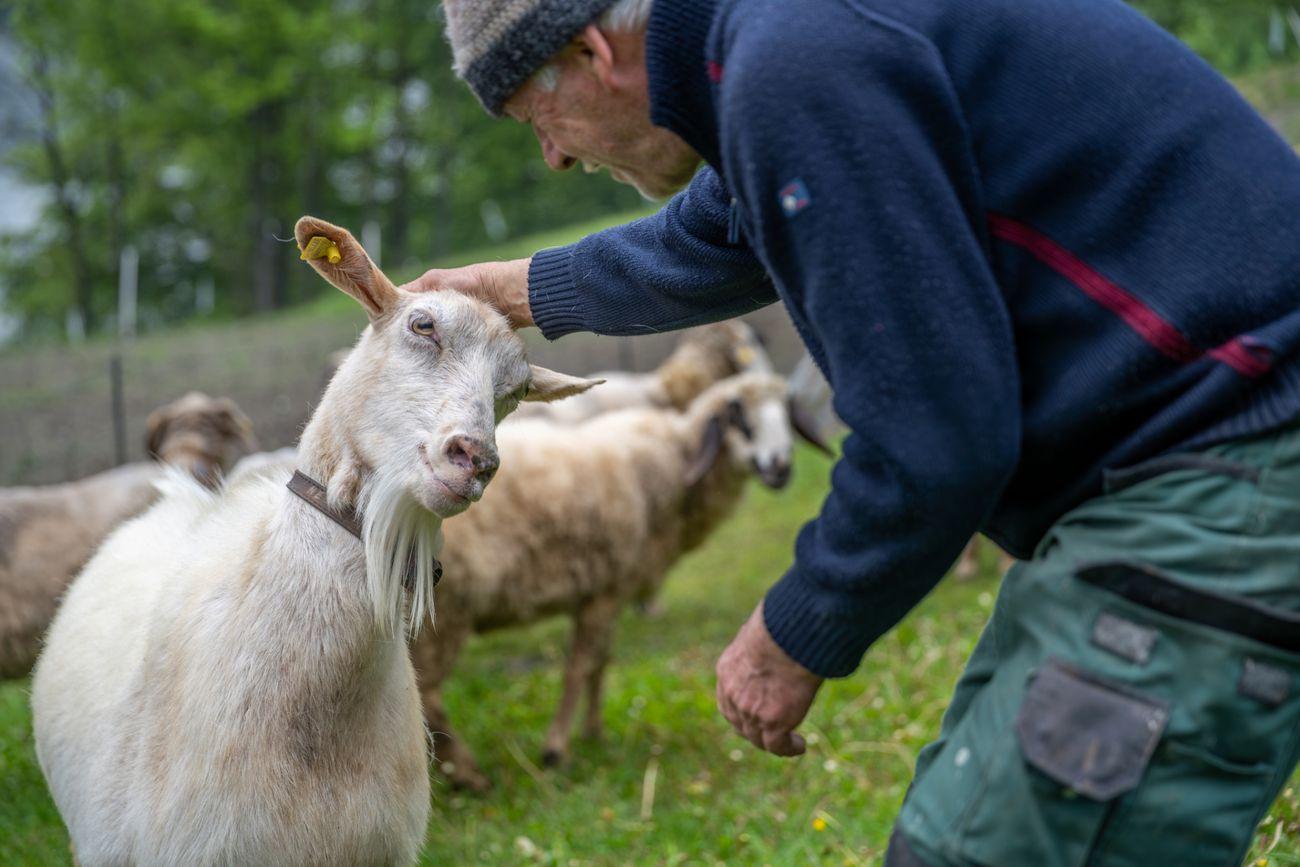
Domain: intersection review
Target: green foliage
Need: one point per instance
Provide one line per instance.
(1233, 35)
(198, 132)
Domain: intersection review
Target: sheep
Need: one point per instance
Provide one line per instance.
(583, 519)
(48, 533)
(228, 681)
(702, 357)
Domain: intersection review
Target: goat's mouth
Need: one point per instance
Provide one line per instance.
(442, 497)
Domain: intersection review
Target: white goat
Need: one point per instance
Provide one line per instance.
(228, 682)
(583, 519)
(48, 532)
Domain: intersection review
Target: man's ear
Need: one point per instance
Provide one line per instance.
(548, 385)
(340, 259)
(600, 55)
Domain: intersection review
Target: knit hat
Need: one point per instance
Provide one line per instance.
(497, 45)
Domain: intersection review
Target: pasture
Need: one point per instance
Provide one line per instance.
(670, 784)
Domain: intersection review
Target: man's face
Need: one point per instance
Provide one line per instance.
(603, 123)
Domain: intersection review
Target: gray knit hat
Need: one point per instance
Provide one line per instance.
(497, 45)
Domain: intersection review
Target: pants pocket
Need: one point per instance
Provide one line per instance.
(1229, 667)
(1078, 743)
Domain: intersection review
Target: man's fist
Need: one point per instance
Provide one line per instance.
(762, 692)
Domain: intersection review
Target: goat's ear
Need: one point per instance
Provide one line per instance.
(236, 425)
(341, 260)
(707, 456)
(548, 385)
(155, 429)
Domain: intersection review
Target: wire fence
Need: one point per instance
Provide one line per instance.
(68, 412)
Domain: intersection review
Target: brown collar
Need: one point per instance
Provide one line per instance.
(312, 493)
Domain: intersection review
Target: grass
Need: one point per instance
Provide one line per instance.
(715, 799)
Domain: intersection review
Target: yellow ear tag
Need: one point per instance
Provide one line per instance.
(744, 356)
(320, 247)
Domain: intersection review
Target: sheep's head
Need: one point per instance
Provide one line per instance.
(199, 434)
(749, 425)
(429, 380)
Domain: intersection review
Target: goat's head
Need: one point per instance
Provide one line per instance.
(749, 425)
(429, 380)
(199, 434)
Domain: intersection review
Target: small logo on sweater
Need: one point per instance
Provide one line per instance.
(794, 197)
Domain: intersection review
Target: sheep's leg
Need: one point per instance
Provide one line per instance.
(434, 655)
(969, 562)
(593, 629)
(594, 722)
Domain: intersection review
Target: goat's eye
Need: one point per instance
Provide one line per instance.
(423, 326)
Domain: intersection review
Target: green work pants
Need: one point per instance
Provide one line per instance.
(1135, 697)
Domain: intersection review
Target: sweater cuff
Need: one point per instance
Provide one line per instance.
(553, 299)
(826, 644)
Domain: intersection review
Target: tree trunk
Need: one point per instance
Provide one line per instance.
(60, 178)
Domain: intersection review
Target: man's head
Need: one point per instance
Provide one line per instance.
(575, 71)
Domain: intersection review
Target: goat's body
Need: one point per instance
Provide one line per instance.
(215, 691)
(47, 534)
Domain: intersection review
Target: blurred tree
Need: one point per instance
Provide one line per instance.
(198, 131)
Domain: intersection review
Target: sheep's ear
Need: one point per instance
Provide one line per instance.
(548, 385)
(340, 259)
(236, 425)
(155, 428)
(805, 425)
(707, 456)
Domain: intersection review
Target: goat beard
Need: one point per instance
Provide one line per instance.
(398, 531)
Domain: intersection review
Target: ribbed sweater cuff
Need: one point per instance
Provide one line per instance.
(828, 646)
(553, 298)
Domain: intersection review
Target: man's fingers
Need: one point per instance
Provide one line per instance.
(726, 707)
(783, 743)
(753, 733)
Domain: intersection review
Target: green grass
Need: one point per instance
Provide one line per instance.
(716, 799)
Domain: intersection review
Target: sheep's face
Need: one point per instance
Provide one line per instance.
(429, 381)
(758, 432)
(199, 434)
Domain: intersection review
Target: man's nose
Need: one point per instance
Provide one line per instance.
(557, 159)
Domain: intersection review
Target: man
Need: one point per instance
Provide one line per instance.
(1050, 263)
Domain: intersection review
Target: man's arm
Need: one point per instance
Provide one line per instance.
(863, 189)
(680, 267)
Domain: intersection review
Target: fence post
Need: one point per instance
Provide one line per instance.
(119, 408)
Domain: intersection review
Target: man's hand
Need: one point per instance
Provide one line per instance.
(504, 285)
(762, 692)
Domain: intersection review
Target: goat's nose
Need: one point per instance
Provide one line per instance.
(473, 456)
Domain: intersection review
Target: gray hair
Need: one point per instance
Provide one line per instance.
(625, 16)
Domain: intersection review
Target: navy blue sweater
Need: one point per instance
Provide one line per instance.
(1026, 240)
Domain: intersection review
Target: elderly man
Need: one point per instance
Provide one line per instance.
(1050, 262)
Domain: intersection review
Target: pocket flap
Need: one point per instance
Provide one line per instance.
(1091, 736)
